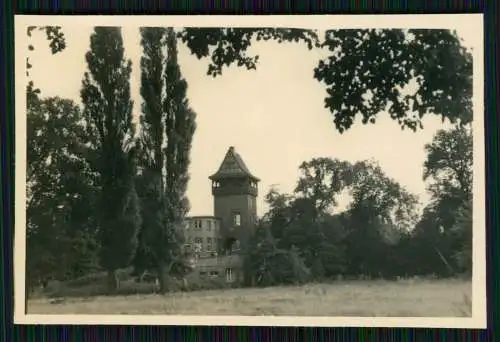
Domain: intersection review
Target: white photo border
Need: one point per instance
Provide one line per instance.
(474, 22)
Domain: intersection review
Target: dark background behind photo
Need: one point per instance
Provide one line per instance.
(10, 332)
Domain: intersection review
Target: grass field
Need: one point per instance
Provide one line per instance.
(404, 298)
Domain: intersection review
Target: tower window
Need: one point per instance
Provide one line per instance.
(197, 224)
(236, 246)
(236, 219)
(229, 275)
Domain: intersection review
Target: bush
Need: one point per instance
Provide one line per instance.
(87, 280)
(207, 284)
(99, 278)
(284, 267)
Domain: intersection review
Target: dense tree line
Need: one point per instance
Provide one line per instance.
(381, 233)
(103, 194)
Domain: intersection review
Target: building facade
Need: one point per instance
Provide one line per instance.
(202, 235)
(217, 241)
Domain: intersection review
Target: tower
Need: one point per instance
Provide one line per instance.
(235, 197)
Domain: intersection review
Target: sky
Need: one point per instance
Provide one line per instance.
(273, 116)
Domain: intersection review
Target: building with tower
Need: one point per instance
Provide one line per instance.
(216, 241)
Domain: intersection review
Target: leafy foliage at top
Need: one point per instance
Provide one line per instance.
(434, 59)
(367, 72)
(230, 45)
(55, 36)
(368, 69)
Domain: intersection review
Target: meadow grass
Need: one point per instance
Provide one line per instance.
(379, 298)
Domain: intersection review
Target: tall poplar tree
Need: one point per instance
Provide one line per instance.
(150, 181)
(108, 107)
(168, 126)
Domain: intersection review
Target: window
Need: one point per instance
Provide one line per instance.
(213, 274)
(197, 224)
(209, 225)
(236, 245)
(198, 244)
(209, 244)
(236, 219)
(229, 275)
(203, 273)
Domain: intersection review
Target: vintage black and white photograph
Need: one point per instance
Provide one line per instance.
(250, 170)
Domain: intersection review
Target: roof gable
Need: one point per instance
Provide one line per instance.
(233, 166)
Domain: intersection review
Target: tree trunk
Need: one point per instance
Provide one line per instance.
(163, 279)
(113, 281)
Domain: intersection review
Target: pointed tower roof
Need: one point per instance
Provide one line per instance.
(233, 166)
